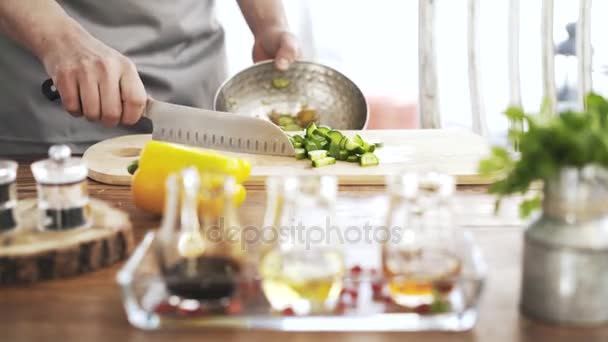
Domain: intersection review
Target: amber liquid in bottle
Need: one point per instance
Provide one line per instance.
(416, 276)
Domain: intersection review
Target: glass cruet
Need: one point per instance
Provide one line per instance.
(195, 263)
(424, 263)
(300, 266)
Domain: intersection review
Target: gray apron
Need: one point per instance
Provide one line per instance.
(177, 46)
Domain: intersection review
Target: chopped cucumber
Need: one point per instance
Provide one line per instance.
(368, 159)
(323, 162)
(292, 127)
(300, 153)
(280, 83)
(343, 142)
(133, 166)
(334, 150)
(324, 129)
(298, 138)
(370, 148)
(343, 155)
(311, 145)
(353, 159)
(321, 134)
(297, 144)
(310, 130)
(335, 136)
(317, 154)
(353, 147)
(358, 140)
(285, 120)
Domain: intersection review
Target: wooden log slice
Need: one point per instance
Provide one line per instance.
(28, 255)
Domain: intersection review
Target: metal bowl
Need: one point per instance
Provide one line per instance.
(338, 101)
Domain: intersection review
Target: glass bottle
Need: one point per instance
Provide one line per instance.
(63, 200)
(200, 258)
(301, 266)
(423, 264)
(8, 195)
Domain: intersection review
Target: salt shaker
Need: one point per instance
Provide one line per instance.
(8, 195)
(63, 200)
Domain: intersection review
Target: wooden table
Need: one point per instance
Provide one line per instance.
(89, 308)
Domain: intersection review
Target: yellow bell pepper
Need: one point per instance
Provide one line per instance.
(159, 159)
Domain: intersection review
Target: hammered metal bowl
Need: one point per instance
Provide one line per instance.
(338, 101)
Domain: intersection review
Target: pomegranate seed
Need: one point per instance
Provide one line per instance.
(376, 288)
(288, 312)
(353, 293)
(356, 270)
(341, 308)
(444, 286)
(422, 309)
(164, 308)
(234, 308)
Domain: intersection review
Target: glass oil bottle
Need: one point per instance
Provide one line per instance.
(196, 263)
(301, 269)
(423, 265)
(63, 200)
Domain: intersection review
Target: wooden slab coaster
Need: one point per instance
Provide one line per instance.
(28, 256)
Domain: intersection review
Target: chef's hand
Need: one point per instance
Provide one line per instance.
(94, 80)
(278, 44)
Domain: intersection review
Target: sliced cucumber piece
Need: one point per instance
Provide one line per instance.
(335, 136)
(334, 150)
(297, 144)
(310, 130)
(323, 162)
(298, 138)
(285, 120)
(368, 159)
(321, 134)
(311, 145)
(343, 142)
(133, 166)
(343, 155)
(292, 127)
(317, 154)
(353, 159)
(358, 140)
(324, 129)
(353, 147)
(300, 153)
(370, 148)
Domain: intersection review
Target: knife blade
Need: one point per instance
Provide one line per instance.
(207, 128)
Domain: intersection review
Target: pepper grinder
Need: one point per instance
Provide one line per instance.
(8, 195)
(63, 200)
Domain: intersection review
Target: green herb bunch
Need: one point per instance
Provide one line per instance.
(550, 143)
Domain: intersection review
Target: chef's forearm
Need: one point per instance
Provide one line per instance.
(35, 24)
(263, 14)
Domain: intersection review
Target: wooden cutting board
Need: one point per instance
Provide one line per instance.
(453, 151)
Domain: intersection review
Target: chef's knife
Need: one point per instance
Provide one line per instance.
(207, 128)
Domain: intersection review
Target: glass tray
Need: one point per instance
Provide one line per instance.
(362, 308)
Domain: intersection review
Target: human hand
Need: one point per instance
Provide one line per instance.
(278, 44)
(94, 80)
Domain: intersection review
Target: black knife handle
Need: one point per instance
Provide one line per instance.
(49, 90)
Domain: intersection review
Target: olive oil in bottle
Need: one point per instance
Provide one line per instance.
(300, 274)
